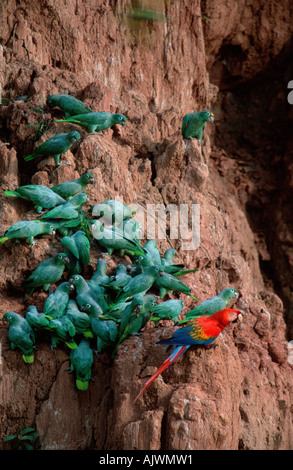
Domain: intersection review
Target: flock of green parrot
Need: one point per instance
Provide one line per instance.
(97, 314)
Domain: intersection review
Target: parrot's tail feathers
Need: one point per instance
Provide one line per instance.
(81, 385)
(184, 271)
(28, 359)
(88, 334)
(3, 239)
(71, 344)
(67, 120)
(173, 356)
(12, 193)
(190, 295)
(30, 157)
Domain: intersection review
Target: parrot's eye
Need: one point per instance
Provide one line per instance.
(208, 114)
(60, 256)
(88, 305)
(120, 118)
(51, 227)
(76, 278)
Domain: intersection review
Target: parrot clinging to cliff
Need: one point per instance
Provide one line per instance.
(68, 189)
(54, 147)
(56, 302)
(193, 124)
(69, 210)
(96, 121)
(69, 104)
(41, 196)
(81, 361)
(201, 331)
(210, 306)
(21, 335)
(27, 230)
(113, 239)
(47, 272)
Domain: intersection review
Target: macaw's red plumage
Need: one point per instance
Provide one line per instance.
(201, 331)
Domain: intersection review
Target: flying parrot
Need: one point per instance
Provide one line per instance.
(193, 124)
(68, 189)
(112, 211)
(69, 104)
(27, 230)
(21, 335)
(112, 239)
(69, 210)
(202, 331)
(81, 361)
(47, 272)
(54, 147)
(139, 284)
(41, 196)
(96, 121)
(210, 306)
(169, 310)
(56, 302)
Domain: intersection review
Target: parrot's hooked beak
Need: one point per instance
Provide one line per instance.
(212, 118)
(236, 295)
(66, 260)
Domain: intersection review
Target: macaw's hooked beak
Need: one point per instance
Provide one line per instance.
(212, 118)
(239, 317)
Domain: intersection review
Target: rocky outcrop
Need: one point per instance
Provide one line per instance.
(236, 396)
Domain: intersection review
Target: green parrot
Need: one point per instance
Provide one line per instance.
(210, 306)
(167, 283)
(169, 310)
(106, 332)
(130, 228)
(120, 278)
(81, 361)
(93, 310)
(54, 147)
(48, 272)
(27, 230)
(100, 277)
(69, 104)
(84, 293)
(65, 227)
(77, 248)
(21, 335)
(193, 124)
(152, 251)
(115, 311)
(112, 239)
(56, 302)
(41, 196)
(62, 330)
(112, 211)
(80, 320)
(68, 189)
(37, 321)
(96, 121)
(139, 284)
(69, 210)
(131, 321)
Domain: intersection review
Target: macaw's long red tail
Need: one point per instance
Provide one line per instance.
(175, 354)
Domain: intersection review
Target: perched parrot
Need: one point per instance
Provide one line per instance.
(81, 361)
(210, 306)
(68, 189)
(119, 279)
(193, 124)
(100, 277)
(69, 210)
(96, 121)
(167, 283)
(80, 320)
(106, 332)
(130, 228)
(84, 293)
(115, 312)
(69, 104)
(131, 321)
(47, 272)
(202, 331)
(62, 330)
(171, 268)
(139, 284)
(152, 251)
(21, 335)
(77, 248)
(169, 310)
(63, 226)
(112, 239)
(56, 302)
(54, 147)
(27, 230)
(41, 196)
(37, 320)
(112, 211)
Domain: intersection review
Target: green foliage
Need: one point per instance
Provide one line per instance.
(27, 439)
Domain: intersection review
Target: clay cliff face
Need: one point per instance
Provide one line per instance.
(237, 396)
